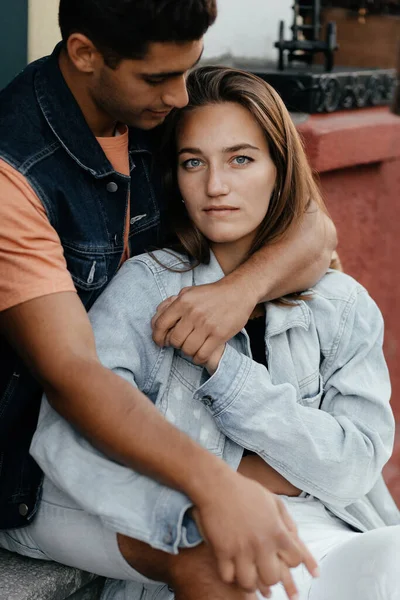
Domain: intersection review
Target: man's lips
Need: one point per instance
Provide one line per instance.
(159, 113)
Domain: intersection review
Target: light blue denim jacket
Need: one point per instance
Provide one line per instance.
(319, 414)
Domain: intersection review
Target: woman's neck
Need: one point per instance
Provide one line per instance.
(230, 255)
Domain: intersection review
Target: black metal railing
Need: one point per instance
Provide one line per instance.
(306, 36)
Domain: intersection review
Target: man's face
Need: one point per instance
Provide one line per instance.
(141, 93)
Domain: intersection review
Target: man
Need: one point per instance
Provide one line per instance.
(78, 195)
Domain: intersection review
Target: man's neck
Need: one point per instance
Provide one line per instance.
(99, 122)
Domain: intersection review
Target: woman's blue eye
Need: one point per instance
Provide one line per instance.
(192, 163)
(242, 160)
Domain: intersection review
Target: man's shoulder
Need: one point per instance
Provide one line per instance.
(21, 120)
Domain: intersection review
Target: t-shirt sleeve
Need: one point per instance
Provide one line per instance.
(32, 262)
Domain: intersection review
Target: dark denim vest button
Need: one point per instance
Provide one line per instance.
(23, 510)
(112, 186)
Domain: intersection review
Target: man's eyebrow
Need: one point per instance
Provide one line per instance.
(169, 74)
(235, 148)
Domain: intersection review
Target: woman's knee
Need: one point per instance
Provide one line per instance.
(363, 568)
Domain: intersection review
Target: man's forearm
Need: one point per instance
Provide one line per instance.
(292, 264)
(123, 423)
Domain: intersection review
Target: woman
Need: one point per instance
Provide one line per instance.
(298, 401)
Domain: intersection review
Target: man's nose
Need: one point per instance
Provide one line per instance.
(176, 94)
(216, 186)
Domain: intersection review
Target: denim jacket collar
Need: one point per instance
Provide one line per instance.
(68, 124)
(278, 318)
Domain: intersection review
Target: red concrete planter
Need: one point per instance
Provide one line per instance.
(357, 155)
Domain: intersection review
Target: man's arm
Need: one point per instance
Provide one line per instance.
(202, 318)
(293, 264)
(53, 335)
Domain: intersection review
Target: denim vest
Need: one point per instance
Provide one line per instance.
(44, 136)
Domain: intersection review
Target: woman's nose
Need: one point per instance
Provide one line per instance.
(216, 186)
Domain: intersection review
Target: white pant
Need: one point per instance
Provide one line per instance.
(353, 566)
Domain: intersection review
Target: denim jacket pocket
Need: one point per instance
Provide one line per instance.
(311, 391)
(88, 271)
(181, 409)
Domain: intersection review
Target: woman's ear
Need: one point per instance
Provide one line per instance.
(336, 262)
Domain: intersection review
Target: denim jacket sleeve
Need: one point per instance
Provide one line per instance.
(124, 500)
(337, 452)
(121, 321)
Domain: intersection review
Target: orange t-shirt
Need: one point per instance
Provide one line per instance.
(32, 262)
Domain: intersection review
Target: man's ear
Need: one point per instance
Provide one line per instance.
(83, 53)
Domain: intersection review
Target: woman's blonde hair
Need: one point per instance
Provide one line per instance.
(295, 186)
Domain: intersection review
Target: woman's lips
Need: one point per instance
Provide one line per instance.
(220, 211)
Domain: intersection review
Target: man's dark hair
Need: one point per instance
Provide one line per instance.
(123, 28)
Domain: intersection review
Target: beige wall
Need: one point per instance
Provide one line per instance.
(43, 32)
(243, 29)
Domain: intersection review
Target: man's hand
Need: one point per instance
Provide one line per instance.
(254, 539)
(202, 318)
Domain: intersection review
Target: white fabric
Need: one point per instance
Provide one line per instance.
(354, 566)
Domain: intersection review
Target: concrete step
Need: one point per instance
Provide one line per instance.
(24, 578)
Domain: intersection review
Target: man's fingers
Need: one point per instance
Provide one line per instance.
(286, 518)
(161, 307)
(268, 570)
(246, 573)
(178, 335)
(304, 554)
(194, 343)
(307, 559)
(165, 319)
(226, 569)
(288, 582)
(205, 351)
(265, 590)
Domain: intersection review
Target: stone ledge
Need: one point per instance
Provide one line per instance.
(24, 578)
(346, 139)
